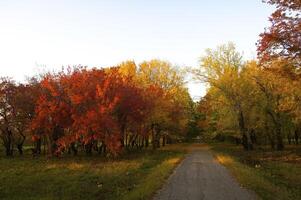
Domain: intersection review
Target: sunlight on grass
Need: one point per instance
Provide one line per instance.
(117, 167)
(136, 176)
(155, 179)
(223, 159)
(266, 179)
(51, 166)
(75, 166)
(173, 161)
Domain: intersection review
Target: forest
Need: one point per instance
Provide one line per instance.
(126, 106)
(143, 112)
(102, 110)
(257, 99)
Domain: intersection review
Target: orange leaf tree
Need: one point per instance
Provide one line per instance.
(283, 37)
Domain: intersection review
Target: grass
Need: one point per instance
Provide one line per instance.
(271, 174)
(136, 175)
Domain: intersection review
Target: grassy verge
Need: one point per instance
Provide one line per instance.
(136, 175)
(272, 175)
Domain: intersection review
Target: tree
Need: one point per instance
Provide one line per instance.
(90, 107)
(23, 104)
(134, 107)
(223, 69)
(194, 130)
(169, 96)
(7, 90)
(16, 111)
(283, 37)
(52, 112)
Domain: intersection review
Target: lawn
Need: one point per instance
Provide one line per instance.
(135, 175)
(271, 174)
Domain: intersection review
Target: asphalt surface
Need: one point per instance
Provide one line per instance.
(201, 177)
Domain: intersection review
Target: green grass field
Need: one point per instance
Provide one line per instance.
(135, 175)
(271, 174)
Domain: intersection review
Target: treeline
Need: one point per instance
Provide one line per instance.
(95, 110)
(257, 102)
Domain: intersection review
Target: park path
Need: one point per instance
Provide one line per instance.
(201, 177)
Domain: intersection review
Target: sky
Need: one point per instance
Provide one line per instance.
(41, 35)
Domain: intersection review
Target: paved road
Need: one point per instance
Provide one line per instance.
(201, 177)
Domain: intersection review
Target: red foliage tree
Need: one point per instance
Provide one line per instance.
(97, 109)
(52, 112)
(93, 99)
(283, 37)
(89, 107)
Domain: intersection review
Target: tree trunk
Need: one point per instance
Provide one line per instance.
(289, 139)
(88, 148)
(277, 122)
(38, 146)
(164, 141)
(122, 138)
(253, 136)
(58, 132)
(134, 141)
(296, 136)
(272, 141)
(153, 138)
(246, 139)
(280, 145)
(158, 139)
(20, 143)
(20, 148)
(8, 142)
(73, 148)
(168, 140)
(269, 136)
(146, 141)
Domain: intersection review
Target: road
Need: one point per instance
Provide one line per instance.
(201, 177)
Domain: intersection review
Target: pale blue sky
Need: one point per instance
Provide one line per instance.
(105, 32)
